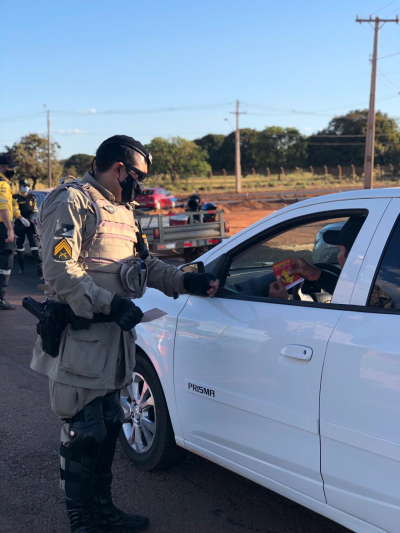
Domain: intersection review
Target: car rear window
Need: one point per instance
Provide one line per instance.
(148, 192)
(385, 292)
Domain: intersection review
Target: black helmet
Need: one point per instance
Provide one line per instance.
(23, 183)
(194, 202)
(209, 206)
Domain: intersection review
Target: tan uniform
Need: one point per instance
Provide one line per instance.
(87, 276)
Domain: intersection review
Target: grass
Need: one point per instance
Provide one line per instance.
(261, 183)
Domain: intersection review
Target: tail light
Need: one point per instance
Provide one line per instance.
(214, 241)
(187, 244)
(156, 233)
(227, 228)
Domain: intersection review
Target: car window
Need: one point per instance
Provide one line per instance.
(385, 292)
(251, 270)
(304, 241)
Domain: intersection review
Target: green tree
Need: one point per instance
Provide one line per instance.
(77, 164)
(342, 142)
(31, 156)
(212, 144)
(280, 147)
(178, 158)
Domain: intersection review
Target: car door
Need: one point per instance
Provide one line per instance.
(360, 395)
(247, 369)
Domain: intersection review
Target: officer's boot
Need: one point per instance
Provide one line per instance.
(108, 517)
(20, 259)
(81, 440)
(36, 258)
(4, 305)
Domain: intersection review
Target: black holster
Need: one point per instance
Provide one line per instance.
(53, 319)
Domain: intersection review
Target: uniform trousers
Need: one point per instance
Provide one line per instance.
(6, 259)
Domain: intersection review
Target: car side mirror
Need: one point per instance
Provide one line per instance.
(197, 267)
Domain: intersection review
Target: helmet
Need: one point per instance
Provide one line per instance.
(23, 183)
(210, 217)
(194, 202)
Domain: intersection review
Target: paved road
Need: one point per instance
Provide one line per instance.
(196, 497)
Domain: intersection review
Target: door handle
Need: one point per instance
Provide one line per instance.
(296, 351)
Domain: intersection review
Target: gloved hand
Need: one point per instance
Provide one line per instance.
(200, 284)
(125, 313)
(25, 222)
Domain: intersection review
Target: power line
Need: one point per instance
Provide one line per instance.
(384, 7)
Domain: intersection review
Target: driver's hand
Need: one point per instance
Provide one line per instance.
(277, 290)
(306, 270)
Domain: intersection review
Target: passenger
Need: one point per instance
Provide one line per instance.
(326, 280)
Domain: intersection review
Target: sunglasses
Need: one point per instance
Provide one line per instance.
(141, 175)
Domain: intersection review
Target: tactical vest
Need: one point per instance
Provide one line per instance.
(109, 254)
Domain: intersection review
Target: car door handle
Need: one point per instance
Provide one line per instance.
(296, 351)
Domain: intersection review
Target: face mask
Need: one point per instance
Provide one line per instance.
(131, 188)
(9, 173)
(25, 189)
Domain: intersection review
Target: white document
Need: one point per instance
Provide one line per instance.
(152, 314)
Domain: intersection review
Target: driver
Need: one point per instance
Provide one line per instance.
(326, 280)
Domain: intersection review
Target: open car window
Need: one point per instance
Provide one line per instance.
(251, 269)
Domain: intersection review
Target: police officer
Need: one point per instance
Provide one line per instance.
(7, 210)
(95, 260)
(25, 226)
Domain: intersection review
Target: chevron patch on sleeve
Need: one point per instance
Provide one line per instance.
(62, 250)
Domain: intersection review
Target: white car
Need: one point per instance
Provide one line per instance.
(301, 396)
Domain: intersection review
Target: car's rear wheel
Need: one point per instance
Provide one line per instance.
(147, 437)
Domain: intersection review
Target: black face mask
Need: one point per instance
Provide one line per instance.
(9, 173)
(131, 188)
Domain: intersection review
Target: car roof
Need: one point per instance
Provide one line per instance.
(390, 192)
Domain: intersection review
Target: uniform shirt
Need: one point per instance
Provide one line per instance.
(6, 199)
(27, 205)
(69, 281)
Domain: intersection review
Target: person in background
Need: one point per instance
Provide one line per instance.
(8, 209)
(24, 226)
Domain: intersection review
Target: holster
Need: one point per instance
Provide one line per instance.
(53, 319)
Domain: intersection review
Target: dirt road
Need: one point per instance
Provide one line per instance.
(196, 497)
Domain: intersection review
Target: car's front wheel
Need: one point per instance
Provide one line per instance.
(147, 437)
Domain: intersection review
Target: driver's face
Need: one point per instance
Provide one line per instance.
(342, 255)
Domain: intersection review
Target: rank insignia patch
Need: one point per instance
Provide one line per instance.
(62, 251)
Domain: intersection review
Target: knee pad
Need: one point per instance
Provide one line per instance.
(86, 432)
(113, 413)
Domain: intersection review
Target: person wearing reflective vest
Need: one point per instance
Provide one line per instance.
(25, 228)
(95, 260)
(8, 210)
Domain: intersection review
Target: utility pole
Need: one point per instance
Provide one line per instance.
(370, 141)
(238, 168)
(48, 149)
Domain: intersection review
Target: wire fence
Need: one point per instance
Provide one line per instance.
(280, 178)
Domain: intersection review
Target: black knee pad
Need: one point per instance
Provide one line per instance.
(113, 413)
(86, 431)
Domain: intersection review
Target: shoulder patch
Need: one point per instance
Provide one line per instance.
(62, 250)
(64, 230)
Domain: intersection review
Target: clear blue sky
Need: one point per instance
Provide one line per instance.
(131, 55)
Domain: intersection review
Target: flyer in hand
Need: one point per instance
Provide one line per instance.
(281, 269)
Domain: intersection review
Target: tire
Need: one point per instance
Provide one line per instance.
(159, 451)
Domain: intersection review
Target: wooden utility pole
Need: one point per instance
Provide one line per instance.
(48, 149)
(238, 168)
(370, 141)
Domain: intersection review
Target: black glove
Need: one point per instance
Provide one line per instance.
(197, 284)
(125, 313)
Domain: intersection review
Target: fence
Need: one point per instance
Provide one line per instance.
(282, 178)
